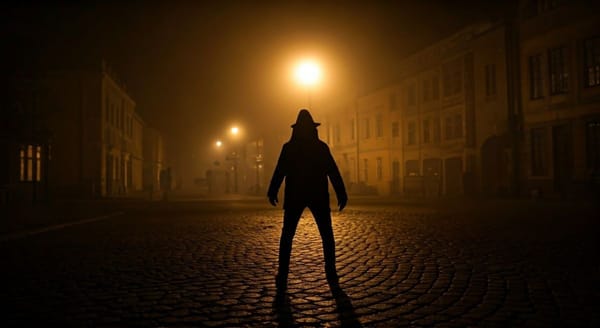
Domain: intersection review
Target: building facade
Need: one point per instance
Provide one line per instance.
(76, 132)
(25, 142)
(439, 131)
(511, 107)
(560, 96)
(120, 143)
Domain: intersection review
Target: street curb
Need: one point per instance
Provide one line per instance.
(19, 235)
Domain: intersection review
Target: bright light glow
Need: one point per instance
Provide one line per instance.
(308, 73)
(219, 144)
(235, 130)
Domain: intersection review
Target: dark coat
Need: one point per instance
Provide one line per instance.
(305, 163)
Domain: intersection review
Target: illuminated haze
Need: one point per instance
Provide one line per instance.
(194, 69)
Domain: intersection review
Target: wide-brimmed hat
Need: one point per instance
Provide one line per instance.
(305, 119)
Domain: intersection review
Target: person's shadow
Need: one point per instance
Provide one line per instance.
(343, 307)
(283, 309)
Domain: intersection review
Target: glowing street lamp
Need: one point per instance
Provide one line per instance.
(219, 143)
(235, 130)
(308, 74)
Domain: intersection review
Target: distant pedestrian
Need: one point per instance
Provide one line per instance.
(306, 162)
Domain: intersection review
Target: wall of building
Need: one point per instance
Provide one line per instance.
(558, 119)
(494, 164)
(437, 105)
(122, 139)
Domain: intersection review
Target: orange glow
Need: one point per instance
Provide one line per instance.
(308, 73)
(219, 144)
(235, 130)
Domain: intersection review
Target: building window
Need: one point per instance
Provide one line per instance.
(412, 133)
(436, 130)
(379, 125)
(538, 152)
(411, 95)
(490, 80)
(30, 160)
(452, 78)
(426, 90)
(559, 72)
(435, 88)
(454, 127)
(395, 130)
(458, 126)
(426, 132)
(352, 129)
(366, 169)
(393, 101)
(367, 129)
(593, 145)
(449, 128)
(592, 62)
(379, 168)
(536, 81)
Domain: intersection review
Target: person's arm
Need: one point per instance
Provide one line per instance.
(336, 181)
(277, 179)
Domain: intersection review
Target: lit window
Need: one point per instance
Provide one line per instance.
(559, 70)
(30, 163)
(536, 82)
(592, 62)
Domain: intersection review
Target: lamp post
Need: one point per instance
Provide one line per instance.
(235, 131)
(258, 163)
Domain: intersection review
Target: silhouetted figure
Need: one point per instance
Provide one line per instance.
(305, 162)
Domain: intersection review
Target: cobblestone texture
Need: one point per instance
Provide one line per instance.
(398, 266)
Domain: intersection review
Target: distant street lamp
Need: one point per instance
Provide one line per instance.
(219, 143)
(308, 74)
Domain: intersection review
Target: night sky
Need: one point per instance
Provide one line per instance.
(193, 69)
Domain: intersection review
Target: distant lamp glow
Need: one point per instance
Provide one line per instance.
(308, 73)
(219, 144)
(235, 130)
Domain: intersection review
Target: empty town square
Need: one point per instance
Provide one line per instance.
(209, 263)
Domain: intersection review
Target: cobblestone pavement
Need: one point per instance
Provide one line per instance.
(213, 265)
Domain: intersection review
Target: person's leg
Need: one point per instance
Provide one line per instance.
(290, 223)
(322, 216)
